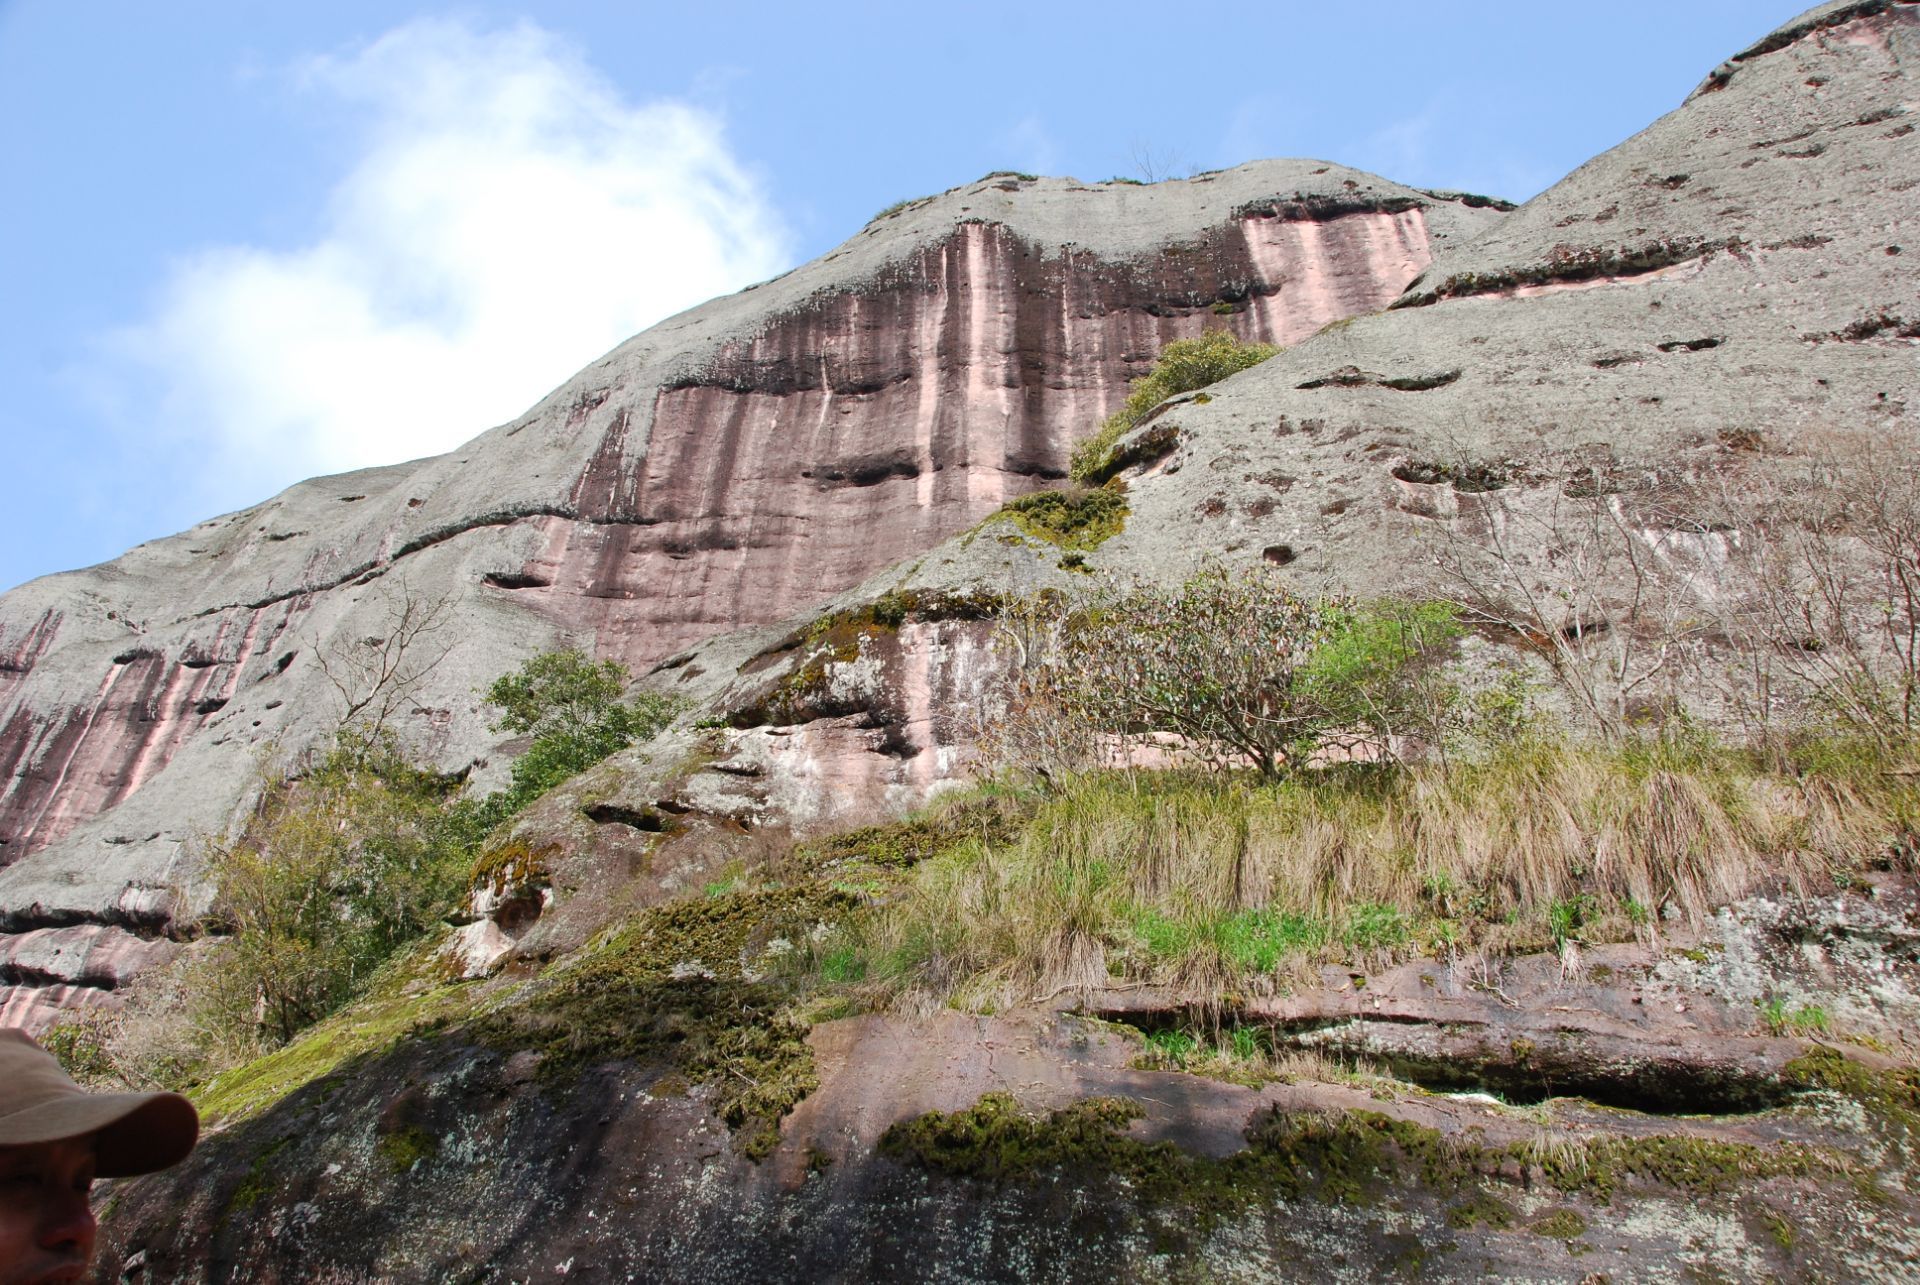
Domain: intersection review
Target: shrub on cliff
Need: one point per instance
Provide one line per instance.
(1242, 670)
(339, 867)
(363, 852)
(571, 705)
(1184, 365)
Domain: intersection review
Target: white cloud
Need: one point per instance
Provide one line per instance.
(1437, 147)
(1031, 145)
(508, 218)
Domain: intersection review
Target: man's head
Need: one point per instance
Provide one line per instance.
(55, 1139)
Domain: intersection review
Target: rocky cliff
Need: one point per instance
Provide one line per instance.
(730, 467)
(1733, 284)
(1723, 295)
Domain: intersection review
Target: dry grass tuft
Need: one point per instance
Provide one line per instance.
(1214, 883)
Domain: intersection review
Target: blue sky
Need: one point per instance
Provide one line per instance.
(247, 242)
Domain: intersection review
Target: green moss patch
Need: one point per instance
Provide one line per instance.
(1891, 1097)
(1561, 1224)
(901, 844)
(682, 983)
(258, 1182)
(406, 1147)
(389, 1014)
(513, 865)
(1351, 1157)
(1482, 1209)
(807, 690)
(1078, 518)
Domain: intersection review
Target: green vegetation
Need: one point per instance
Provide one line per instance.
(1568, 915)
(342, 865)
(350, 860)
(1078, 518)
(1780, 1018)
(365, 852)
(406, 1147)
(1207, 879)
(1560, 1224)
(1354, 1157)
(387, 1012)
(1238, 667)
(694, 983)
(1891, 1097)
(571, 707)
(1184, 365)
(898, 207)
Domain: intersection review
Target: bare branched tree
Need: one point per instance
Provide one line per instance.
(1034, 730)
(377, 676)
(1831, 572)
(1152, 166)
(1612, 597)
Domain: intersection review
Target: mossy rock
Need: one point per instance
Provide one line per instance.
(406, 1147)
(1352, 1157)
(1080, 518)
(1891, 1097)
(512, 866)
(675, 986)
(899, 845)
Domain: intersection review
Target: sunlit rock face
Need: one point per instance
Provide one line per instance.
(731, 467)
(872, 423)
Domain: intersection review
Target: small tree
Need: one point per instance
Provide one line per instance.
(572, 707)
(1244, 670)
(1613, 599)
(557, 693)
(337, 869)
(1828, 586)
(1035, 728)
(376, 676)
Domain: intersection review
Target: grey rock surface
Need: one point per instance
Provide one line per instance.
(730, 467)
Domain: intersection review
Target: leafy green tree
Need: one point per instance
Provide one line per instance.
(557, 693)
(339, 867)
(572, 707)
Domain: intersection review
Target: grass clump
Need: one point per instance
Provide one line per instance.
(1782, 1018)
(898, 207)
(1213, 881)
(985, 815)
(1184, 365)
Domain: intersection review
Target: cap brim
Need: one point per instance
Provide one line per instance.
(134, 1133)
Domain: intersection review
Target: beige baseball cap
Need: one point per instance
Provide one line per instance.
(133, 1132)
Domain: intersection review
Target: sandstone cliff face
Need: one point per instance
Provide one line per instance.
(1732, 289)
(731, 467)
(1730, 284)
